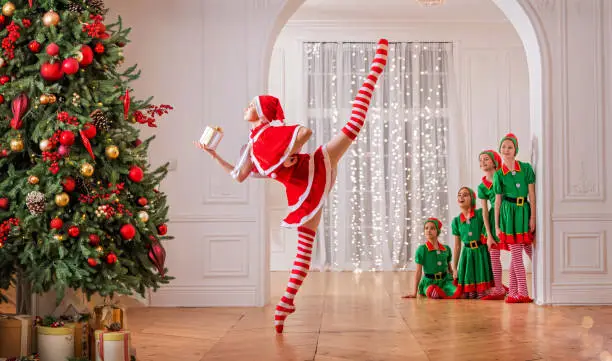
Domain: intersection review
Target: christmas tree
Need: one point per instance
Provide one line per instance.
(79, 203)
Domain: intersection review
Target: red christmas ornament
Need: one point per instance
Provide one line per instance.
(137, 142)
(1, 99)
(67, 138)
(127, 231)
(94, 239)
(73, 231)
(162, 229)
(87, 144)
(70, 66)
(57, 223)
(92, 262)
(4, 79)
(111, 258)
(4, 203)
(121, 44)
(99, 48)
(142, 201)
(157, 255)
(87, 55)
(34, 46)
(52, 49)
(69, 184)
(126, 104)
(104, 36)
(51, 72)
(4, 153)
(136, 174)
(89, 130)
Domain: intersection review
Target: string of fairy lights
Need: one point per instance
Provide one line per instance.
(395, 175)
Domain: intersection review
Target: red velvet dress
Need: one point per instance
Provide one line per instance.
(307, 182)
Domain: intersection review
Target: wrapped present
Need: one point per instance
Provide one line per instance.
(15, 335)
(112, 345)
(81, 333)
(55, 343)
(211, 137)
(107, 314)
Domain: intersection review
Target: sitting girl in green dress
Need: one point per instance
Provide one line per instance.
(473, 270)
(434, 259)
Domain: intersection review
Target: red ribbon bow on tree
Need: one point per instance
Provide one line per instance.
(19, 107)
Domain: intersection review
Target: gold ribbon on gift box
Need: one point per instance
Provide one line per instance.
(81, 338)
(109, 313)
(12, 344)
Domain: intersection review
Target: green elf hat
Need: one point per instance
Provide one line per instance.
(472, 195)
(436, 222)
(495, 157)
(512, 138)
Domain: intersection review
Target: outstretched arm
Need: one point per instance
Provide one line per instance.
(239, 174)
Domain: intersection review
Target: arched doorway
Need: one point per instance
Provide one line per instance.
(523, 17)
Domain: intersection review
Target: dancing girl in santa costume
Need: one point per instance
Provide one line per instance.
(273, 151)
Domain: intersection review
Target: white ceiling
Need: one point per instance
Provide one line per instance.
(399, 10)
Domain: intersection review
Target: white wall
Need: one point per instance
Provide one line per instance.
(492, 97)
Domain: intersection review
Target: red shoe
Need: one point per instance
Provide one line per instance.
(506, 289)
(526, 299)
(513, 299)
(494, 297)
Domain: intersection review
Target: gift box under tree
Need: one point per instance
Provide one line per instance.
(55, 340)
(15, 335)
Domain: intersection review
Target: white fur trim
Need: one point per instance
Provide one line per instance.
(258, 107)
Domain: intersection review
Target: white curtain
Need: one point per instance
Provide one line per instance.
(395, 175)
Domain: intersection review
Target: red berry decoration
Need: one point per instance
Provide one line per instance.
(52, 49)
(4, 203)
(4, 79)
(34, 46)
(162, 229)
(57, 223)
(94, 239)
(136, 174)
(70, 66)
(142, 201)
(89, 130)
(87, 55)
(92, 261)
(74, 231)
(127, 231)
(51, 72)
(99, 48)
(111, 258)
(67, 138)
(69, 184)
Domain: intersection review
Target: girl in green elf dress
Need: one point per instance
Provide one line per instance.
(473, 269)
(434, 259)
(514, 186)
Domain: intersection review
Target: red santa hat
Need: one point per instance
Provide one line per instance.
(269, 107)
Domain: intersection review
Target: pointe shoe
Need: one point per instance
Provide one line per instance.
(513, 299)
(494, 297)
(526, 299)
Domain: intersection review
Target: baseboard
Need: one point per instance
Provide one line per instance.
(205, 296)
(581, 294)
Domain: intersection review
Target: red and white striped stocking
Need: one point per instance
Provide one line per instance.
(519, 288)
(529, 251)
(434, 291)
(497, 272)
(364, 95)
(301, 265)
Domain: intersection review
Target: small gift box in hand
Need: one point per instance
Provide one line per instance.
(211, 137)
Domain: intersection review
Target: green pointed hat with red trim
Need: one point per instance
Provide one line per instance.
(511, 137)
(495, 157)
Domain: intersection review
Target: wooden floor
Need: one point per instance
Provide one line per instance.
(348, 316)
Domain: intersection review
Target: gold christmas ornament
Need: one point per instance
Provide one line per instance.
(44, 99)
(59, 237)
(112, 152)
(143, 216)
(100, 249)
(62, 199)
(79, 56)
(8, 9)
(52, 98)
(87, 170)
(51, 18)
(33, 179)
(16, 145)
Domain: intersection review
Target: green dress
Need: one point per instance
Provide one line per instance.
(474, 273)
(515, 210)
(485, 191)
(435, 268)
